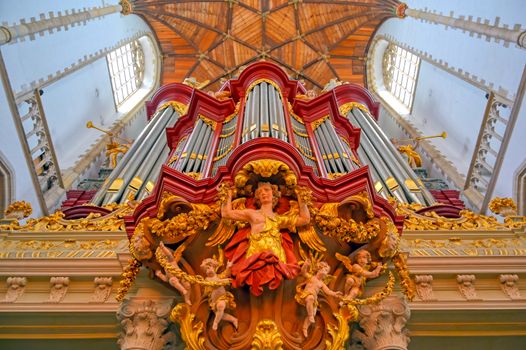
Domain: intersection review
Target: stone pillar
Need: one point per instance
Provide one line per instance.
(382, 326)
(514, 36)
(12, 33)
(145, 324)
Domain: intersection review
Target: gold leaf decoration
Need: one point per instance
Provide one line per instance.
(127, 278)
(340, 333)
(93, 222)
(265, 168)
(191, 330)
(22, 207)
(266, 337)
(407, 284)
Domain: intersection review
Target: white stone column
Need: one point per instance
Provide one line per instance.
(383, 326)
(145, 324)
(514, 36)
(12, 33)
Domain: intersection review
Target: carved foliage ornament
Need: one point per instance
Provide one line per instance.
(179, 224)
(93, 222)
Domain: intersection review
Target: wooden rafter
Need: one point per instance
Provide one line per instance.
(301, 38)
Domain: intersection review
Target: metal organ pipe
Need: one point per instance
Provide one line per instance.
(127, 166)
(397, 166)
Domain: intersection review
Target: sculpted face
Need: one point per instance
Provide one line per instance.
(362, 258)
(264, 193)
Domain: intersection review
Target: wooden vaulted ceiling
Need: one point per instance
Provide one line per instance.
(312, 40)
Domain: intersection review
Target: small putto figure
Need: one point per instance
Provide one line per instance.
(355, 281)
(307, 291)
(218, 298)
(173, 258)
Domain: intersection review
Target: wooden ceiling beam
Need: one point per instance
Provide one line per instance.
(286, 65)
(176, 31)
(346, 35)
(335, 22)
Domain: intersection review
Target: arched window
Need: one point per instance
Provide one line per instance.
(126, 66)
(400, 71)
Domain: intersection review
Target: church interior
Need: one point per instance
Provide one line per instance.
(263, 174)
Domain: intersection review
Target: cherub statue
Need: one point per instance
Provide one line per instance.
(307, 291)
(218, 298)
(355, 281)
(413, 157)
(173, 258)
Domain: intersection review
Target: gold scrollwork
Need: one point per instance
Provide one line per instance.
(179, 107)
(259, 81)
(265, 168)
(340, 333)
(266, 337)
(316, 124)
(93, 222)
(208, 121)
(347, 107)
(504, 206)
(191, 330)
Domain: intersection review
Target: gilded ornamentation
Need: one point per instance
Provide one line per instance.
(503, 206)
(265, 168)
(407, 284)
(259, 81)
(466, 287)
(266, 337)
(400, 10)
(361, 269)
(413, 157)
(93, 222)
(376, 297)
(173, 259)
(193, 279)
(127, 278)
(208, 121)
(15, 289)
(340, 333)
(347, 230)
(308, 290)
(179, 107)
(127, 7)
(468, 221)
(59, 288)
(102, 289)
(18, 210)
(347, 107)
(509, 285)
(316, 124)
(424, 287)
(191, 330)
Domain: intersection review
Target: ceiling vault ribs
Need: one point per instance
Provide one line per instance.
(314, 40)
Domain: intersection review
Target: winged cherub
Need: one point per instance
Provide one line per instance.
(173, 258)
(360, 273)
(307, 291)
(218, 298)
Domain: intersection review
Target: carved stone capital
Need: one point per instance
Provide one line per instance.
(509, 286)
(102, 289)
(145, 324)
(466, 287)
(59, 288)
(424, 287)
(15, 288)
(383, 326)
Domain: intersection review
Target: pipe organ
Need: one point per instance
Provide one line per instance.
(261, 112)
